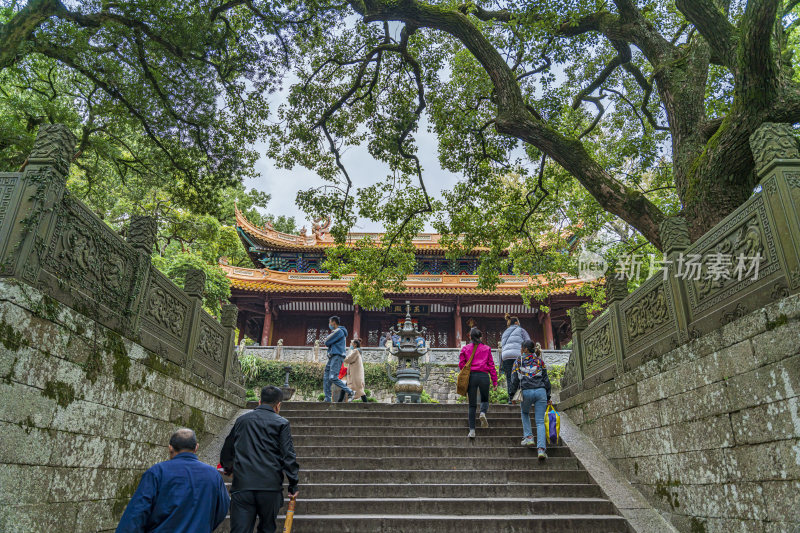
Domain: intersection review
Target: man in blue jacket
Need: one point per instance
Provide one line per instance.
(179, 495)
(336, 343)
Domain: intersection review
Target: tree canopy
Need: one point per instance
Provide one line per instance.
(564, 118)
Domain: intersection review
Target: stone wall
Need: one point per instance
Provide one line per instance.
(84, 412)
(101, 356)
(709, 432)
(690, 383)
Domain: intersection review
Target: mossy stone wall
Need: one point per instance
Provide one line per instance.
(84, 412)
(710, 432)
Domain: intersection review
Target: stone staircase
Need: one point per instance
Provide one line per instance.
(411, 468)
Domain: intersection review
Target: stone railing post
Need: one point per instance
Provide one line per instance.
(194, 284)
(28, 221)
(777, 157)
(675, 239)
(142, 232)
(228, 316)
(616, 291)
(579, 322)
(231, 370)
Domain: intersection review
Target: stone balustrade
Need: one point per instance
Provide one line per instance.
(436, 356)
(670, 309)
(53, 242)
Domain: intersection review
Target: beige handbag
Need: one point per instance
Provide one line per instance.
(518, 395)
(462, 381)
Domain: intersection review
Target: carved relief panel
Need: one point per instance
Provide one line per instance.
(648, 314)
(166, 313)
(87, 255)
(746, 234)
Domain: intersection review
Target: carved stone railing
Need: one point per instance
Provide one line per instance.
(51, 240)
(669, 310)
(436, 356)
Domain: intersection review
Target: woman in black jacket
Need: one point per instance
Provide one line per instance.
(530, 374)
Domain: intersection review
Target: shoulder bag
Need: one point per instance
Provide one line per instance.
(462, 381)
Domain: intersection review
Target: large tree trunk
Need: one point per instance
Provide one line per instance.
(721, 178)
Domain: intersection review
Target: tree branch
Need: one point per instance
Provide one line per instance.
(758, 79)
(513, 116)
(22, 25)
(714, 26)
(502, 15)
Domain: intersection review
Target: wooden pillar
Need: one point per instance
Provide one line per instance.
(357, 322)
(547, 326)
(267, 328)
(457, 329)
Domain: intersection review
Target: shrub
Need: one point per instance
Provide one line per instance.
(555, 373)
(427, 398)
(305, 377)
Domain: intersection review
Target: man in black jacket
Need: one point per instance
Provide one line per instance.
(259, 451)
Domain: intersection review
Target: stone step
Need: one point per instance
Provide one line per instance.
(474, 451)
(382, 430)
(450, 490)
(460, 441)
(412, 468)
(377, 523)
(399, 422)
(437, 408)
(454, 462)
(456, 506)
(400, 413)
(415, 475)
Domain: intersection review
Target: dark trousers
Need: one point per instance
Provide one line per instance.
(341, 397)
(247, 504)
(478, 381)
(508, 366)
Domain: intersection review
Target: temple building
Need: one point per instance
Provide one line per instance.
(289, 297)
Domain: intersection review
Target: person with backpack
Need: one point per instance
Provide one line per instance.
(479, 357)
(511, 345)
(530, 374)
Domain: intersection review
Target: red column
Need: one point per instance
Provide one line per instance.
(547, 326)
(356, 322)
(265, 332)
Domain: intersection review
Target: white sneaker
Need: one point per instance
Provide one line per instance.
(542, 454)
(484, 422)
(471, 434)
(527, 441)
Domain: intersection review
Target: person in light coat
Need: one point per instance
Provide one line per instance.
(511, 343)
(355, 371)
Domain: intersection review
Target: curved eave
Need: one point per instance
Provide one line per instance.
(270, 239)
(271, 281)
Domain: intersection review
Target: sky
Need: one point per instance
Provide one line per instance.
(284, 184)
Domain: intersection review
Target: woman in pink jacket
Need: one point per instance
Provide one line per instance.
(481, 369)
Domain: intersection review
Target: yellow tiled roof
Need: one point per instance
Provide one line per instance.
(265, 280)
(269, 237)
